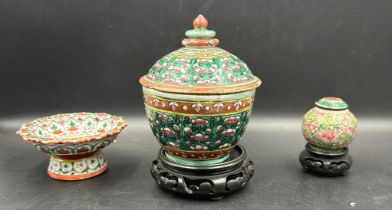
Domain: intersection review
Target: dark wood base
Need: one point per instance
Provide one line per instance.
(325, 163)
(213, 181)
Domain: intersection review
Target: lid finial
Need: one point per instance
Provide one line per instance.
(200, 35)
(200, 22)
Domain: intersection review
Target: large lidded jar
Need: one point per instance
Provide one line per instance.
(199, 98)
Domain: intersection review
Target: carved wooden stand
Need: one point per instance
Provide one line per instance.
(211, 182)
(326, 163)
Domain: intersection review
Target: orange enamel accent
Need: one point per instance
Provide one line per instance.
(200, 42)
(243, 104)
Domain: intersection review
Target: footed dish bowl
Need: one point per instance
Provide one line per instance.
(74, 141)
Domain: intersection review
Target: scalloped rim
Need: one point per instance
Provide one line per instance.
(224, 89)
(32, 138)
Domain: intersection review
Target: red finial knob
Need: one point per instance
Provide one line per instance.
(200, 22)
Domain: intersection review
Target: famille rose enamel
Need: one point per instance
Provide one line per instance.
(199, 99)
(74, 142)
(328, 128)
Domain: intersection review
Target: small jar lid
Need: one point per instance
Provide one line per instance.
(334, 103)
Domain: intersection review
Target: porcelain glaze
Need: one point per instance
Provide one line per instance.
(198, 99)
(330, 126)
(74, 141)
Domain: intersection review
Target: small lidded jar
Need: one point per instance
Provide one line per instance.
(329, 127)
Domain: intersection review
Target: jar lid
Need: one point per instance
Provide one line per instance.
(200, 67)
(332, 103)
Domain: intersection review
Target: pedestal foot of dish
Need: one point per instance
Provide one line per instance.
(209, 181)
(77, 167)
(326, 163)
